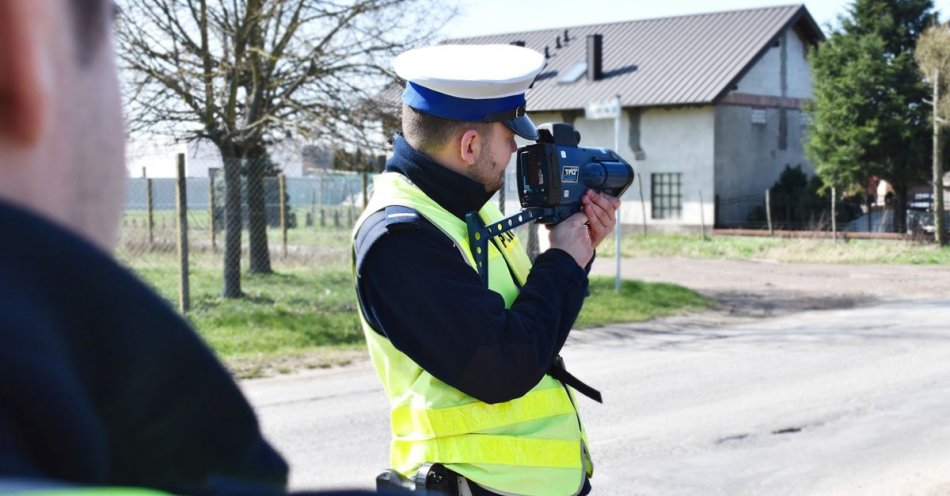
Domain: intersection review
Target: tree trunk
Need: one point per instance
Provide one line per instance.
(232, 223)
(257, 213)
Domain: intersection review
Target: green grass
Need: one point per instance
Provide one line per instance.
(305, 314)
(636, 301)
(292, 310)
(790, 250)
(307, 317)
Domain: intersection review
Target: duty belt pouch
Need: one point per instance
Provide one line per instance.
(432, 479)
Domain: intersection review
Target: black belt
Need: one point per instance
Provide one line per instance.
(560, 373)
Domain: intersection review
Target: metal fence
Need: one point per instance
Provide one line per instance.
(319, 213)
(775, 212)
(307, 224)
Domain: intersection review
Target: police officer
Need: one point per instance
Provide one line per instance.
(469, 369)
(102, 384)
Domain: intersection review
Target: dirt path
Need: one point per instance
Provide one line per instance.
(766, 288)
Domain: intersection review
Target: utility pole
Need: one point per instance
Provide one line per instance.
(940, 235)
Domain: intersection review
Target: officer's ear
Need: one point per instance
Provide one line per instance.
(26, 62)
(471, 145)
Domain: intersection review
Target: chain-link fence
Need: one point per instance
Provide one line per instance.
(302, 223)
(318, 213)
(296, 222)
(798, 213)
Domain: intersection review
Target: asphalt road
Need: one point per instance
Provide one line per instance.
(849, 400)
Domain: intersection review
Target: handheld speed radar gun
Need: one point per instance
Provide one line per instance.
(553, 174)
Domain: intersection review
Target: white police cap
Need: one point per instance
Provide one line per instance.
(475, 83)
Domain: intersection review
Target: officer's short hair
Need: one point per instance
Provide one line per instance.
(89, 24)
(428, 133)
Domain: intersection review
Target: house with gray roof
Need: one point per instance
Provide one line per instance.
(712, 105)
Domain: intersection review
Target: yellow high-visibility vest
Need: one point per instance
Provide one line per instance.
(532, 445)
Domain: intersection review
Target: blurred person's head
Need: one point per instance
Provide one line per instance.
(61, 133)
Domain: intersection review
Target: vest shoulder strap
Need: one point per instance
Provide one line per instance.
(391, 218)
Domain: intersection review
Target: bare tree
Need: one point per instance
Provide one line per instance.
(245, 74)
(933, 59)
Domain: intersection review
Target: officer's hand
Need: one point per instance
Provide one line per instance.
(572, 236)
(601, 210)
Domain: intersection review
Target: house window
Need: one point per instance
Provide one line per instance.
(667, 196)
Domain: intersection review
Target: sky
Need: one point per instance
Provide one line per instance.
(480, 17)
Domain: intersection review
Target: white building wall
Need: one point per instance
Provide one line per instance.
(764, 78)
(799, 72)
(676, 141)
(755, 143)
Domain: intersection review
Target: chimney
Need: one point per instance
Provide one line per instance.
(547, 54)
(566, 39)
(595, 55)
(558, 45)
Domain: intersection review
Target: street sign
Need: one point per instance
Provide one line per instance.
(610, 109)
(603, 110)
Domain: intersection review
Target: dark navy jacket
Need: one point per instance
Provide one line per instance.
(102, 383)
(420, 293)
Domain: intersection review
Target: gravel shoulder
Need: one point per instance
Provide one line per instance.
(755, 289)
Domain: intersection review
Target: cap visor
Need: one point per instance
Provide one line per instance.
(522, 126)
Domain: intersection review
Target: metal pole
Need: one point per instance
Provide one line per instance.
(617, 227)
(184, 296)
(768, 210)
(940, 235)
(151, 218)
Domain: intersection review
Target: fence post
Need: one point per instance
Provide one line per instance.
(184, 298)
(150, 219)
(702, 215)
(313, 202)
(282, 189)
(323, 194)
(834, 220)
(768, 210)
(214, 241)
